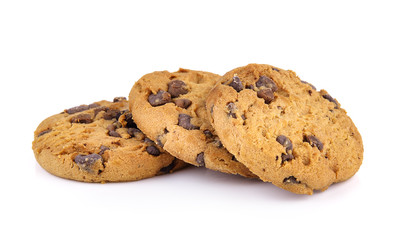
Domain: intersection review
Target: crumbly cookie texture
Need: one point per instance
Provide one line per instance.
(283, 129)
(99, 142)
(170, 109)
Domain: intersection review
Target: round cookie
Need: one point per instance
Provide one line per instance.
(170, 109)
(283, 129)
(99, 143)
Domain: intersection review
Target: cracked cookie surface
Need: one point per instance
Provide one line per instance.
(283, 129)
(99, 142)
(170, 109)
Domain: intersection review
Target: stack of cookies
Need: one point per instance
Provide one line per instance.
(257, 121)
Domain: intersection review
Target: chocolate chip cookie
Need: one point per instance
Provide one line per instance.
(99, 142)
(283, 129)
(170, 109)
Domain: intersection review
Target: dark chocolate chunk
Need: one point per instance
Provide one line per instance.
(284, 141)
(148, 141)
(183, 103)
(86, 161)
(218, 143)
(232, 108)
(160, 98)
(44, 132)
(176, 88)
(291, 179)
(120, 113)
(185, 122)
(169, 167)
(119, 99)
(267, 94)
(208, 133)
(129, 120)
(267, 82)
(154, 151)
(133, 131)
(93, 105)
(331, 99)
(200, 159)
(114, 134)
(250, 87)
(311, 85)
(82, 118)
(275, 69)
(110, 114)
(314, 142)
(80, 108)
(100, 109)
(236, 84)
(287, 157)
(103, 149)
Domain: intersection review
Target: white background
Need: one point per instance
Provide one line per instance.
(59, 54)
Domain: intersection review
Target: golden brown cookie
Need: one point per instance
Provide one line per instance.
(99, 143)
(170, 109)
(283, 129)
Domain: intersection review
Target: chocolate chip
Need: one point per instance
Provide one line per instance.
(80, 108)
(176, 88)
(114, 134)
(160, 98)
(291, 179)
(218, 143)
(200, 159)
(185, 122)
(129, 122)
(267, 82)
(250, 87)
(154, 151)
(236, 84)
(110, 114)
(100, 109)
(169, 167)
(208, 133)
(82, 118)
(133, 131)
(266, 94)
(85, 162)
(120, 113)
(103, 149)
(314, 142)
(148, 141)
(232, 108)
(119, 99)
(275, 69)
(93, 105)
(311, 85)
(287, 157)
(329, 98)
(44, 132)
(183, 103)
(284, 141)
